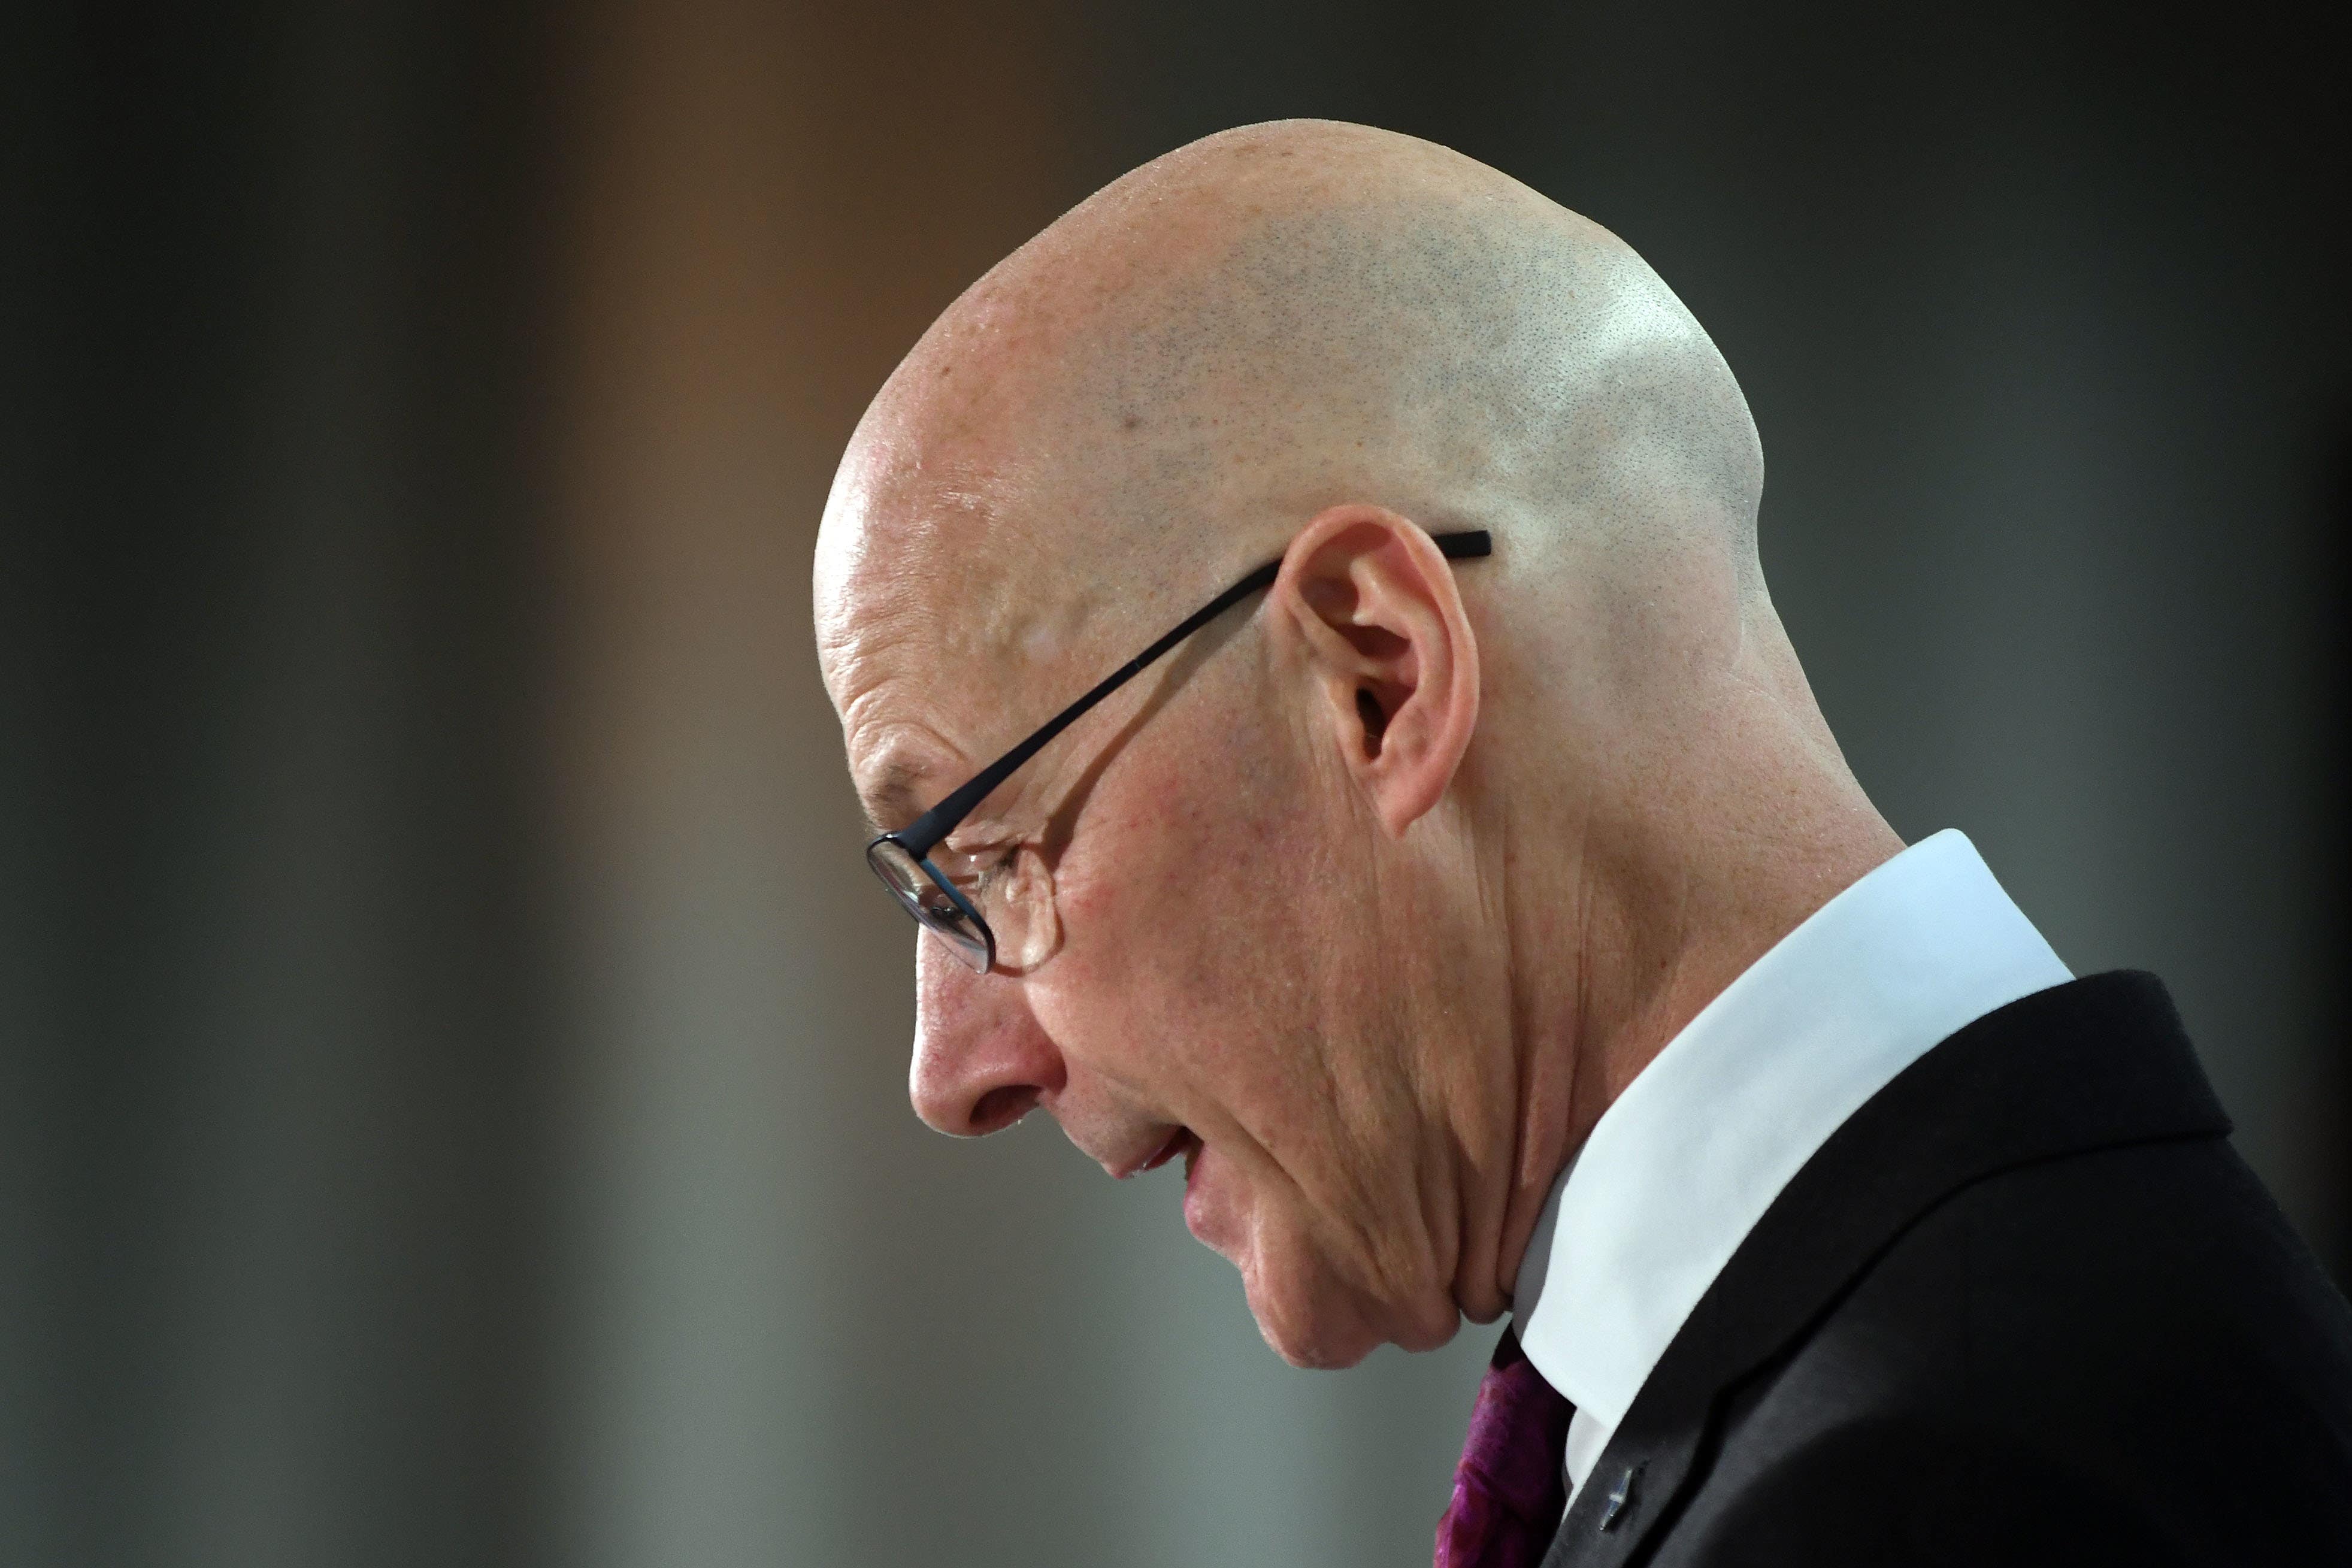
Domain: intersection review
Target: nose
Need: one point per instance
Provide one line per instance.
(982, 1062)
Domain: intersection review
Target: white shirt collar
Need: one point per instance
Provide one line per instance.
(1679, 1169)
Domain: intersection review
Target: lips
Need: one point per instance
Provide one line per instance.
(1152, 1156)
(1180, 1142)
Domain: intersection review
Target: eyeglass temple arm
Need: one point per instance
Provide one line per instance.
(922, 835)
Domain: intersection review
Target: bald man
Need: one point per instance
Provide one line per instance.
(1298, 632)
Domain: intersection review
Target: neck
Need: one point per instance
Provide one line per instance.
(1665, 916)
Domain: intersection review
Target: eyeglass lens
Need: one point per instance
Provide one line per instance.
(932, 903)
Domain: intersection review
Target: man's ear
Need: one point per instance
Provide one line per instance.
(1389, 649)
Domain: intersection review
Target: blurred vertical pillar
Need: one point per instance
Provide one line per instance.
(270, 1012)
(771, 201)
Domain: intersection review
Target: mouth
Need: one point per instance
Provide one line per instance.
(1181, 1141)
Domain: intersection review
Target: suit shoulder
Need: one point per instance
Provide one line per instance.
(2131, 1337)
(2164, 1257)
(1915, 1488)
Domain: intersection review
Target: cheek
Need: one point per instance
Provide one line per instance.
(1173, 924)
(1200, 968)
(1137, 978)
(1210, 928)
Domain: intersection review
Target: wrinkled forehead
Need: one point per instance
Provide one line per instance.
(970, 541)
(948, 611)
(1012, 508)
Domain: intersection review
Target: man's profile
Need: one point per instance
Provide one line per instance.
(1299, 634)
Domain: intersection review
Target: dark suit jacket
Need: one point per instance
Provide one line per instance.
(2026, 1306)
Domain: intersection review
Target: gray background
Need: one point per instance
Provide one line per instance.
(451, 1059)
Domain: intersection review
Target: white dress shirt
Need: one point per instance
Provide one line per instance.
(1681, 1167)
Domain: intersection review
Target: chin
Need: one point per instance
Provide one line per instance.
(1312, 1347)
(1308, 1318)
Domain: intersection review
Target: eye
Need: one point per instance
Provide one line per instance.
(975, 871)
(996, 865)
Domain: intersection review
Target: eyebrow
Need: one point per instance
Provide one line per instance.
(893, 797)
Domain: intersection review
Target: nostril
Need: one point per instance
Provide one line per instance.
(1001, 1108)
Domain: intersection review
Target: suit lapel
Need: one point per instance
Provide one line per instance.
(2089, 1064)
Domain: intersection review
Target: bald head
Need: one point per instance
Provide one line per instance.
(1161, 386)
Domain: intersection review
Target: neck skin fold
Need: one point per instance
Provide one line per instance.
(1610, 958)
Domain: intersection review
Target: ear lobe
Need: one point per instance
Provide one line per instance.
(1381, 623)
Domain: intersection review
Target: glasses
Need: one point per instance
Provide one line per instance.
(903, 859)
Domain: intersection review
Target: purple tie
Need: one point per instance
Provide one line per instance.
(1508, 1492)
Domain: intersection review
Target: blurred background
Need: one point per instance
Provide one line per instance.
(452, 1057)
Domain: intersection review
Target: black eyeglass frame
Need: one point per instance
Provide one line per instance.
(911, 846)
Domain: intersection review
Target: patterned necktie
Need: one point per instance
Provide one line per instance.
(1508, 1492)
